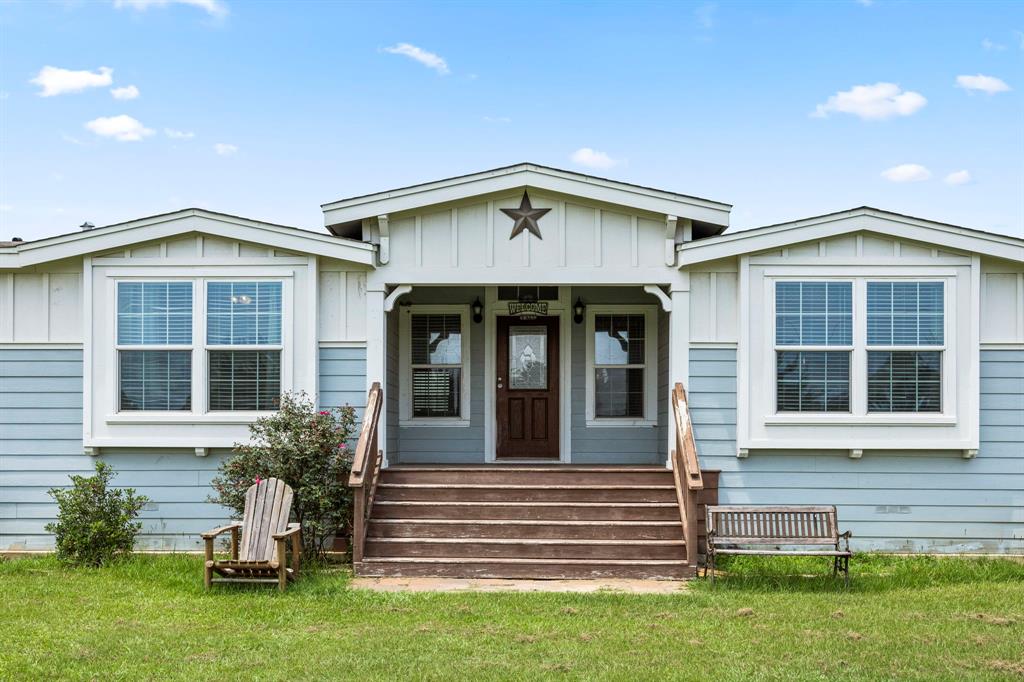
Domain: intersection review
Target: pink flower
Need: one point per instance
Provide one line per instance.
(325, 413)
(258, 479)
(343, 446)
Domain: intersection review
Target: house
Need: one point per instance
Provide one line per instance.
(527, 326)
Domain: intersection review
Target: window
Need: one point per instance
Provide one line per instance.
(243, 338)
(435, 350)
(903, 317)
(621, 358)
(813, 345)
(154, 346)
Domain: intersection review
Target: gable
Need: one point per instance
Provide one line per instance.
(145, 236)
(877, 231)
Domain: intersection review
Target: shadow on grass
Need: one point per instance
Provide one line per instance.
(868, 573)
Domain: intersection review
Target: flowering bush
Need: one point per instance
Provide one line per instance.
(307, 449)
(95, 524)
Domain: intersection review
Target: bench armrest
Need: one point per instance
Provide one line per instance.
(293, 528)
(210, 534)
(845, 538)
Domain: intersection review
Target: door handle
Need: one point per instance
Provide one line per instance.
(500, 385)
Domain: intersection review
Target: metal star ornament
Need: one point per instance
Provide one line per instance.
(526, 217)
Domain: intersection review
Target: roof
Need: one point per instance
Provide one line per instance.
(712, 214)
(853, 220)
(164, 225)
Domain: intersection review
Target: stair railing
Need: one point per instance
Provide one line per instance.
(686, 471)
(365, 470)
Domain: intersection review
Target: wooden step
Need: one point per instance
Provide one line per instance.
(526, 528)
(553, 475)
(459, 549)
(555, 511)
(525, 493)
(512, 568)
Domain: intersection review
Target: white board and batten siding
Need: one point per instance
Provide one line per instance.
(42, 305)
(467, 242)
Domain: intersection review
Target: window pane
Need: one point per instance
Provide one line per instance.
(243, 313)
(154, 313)
(619, 392)
(619, 340)
(155, 380)
(904, 381)
(244, 380)
(436, 391)
(528, 357)
(812, 381)
(813, 313)
(905, 313)
(437, 339)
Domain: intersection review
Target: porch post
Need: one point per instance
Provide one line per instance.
(376, 358)
(678, 350)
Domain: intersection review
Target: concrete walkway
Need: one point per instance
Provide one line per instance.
(499, 585)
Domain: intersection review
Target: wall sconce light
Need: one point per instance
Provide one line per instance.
(577, 311)
(478, 311)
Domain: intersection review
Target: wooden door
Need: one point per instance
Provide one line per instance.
(527, 390)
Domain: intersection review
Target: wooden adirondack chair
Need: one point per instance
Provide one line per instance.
(265, 528)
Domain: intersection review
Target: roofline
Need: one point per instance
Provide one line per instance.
(23, 254)
(780, 234)
(495, 180)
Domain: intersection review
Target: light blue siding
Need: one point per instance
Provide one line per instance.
(892, 501)
(41, 444)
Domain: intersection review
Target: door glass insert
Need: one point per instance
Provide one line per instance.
(528, 357)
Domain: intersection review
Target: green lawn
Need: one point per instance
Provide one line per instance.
(148, 618)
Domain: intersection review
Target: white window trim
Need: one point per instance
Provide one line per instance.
(956, 428)
(405, 417)
(650, 418)
(858, 413)
(200, 413)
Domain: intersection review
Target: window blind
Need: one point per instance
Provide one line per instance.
(436, 349)
(619, 362)
(245, 380)
(155, 380)
(154, 313)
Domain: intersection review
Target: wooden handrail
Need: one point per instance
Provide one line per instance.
(686, 471)
(367, 460)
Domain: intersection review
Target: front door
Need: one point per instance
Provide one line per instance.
(527, 390)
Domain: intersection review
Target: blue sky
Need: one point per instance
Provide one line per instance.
(269, 109)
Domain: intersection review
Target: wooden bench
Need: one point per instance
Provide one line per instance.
(731, 528)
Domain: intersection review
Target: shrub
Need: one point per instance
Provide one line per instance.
(95, 523)
(307, 449)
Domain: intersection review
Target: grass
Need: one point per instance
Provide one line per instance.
(148, 618)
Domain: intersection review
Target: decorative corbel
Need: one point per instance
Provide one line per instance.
(856, 453)
(969, 453)
(670, 240)
(202, 452)
(91, 451)
(655, 290)
(385, 239)
(396, 293)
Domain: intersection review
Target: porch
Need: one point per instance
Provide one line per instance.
(571, 375)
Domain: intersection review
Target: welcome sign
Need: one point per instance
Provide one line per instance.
(528, 310)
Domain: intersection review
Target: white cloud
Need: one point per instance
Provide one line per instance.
(591, 158)
(178, 134)
(992, 46)
(57, 81)
(122, 128)
(427, 59)
(872, 102)
(224, 149)
(961, 177)
(987, 84)
(127, 92)
(497, 119)
(907, 172)
(215, 8)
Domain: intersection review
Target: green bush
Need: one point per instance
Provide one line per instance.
(95, 523)
(307, 449)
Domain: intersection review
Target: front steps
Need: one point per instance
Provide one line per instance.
(531, 521)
